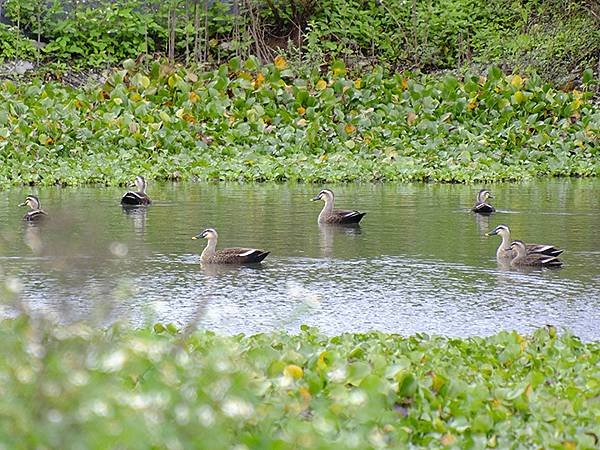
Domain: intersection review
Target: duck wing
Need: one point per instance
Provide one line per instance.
(35, 215)
(539, 259)
(544, 249)
(238, 255)
(483, 208)
(135, 198)
(345, 216)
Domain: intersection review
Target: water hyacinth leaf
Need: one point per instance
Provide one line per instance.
(357, 372)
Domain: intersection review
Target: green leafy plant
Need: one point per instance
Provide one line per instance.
(162, 388)
(245, 121)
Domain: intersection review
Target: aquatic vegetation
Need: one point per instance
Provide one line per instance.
(162, 388)
(249, 122)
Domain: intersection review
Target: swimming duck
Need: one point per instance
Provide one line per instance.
(330, 215)
(504, 251)
(234, 255)
(36, 213)
(139, 198)
(481, 206)
(522, 258)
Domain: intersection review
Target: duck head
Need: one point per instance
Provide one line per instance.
(209, 233)
(325, 195)
(32, 201)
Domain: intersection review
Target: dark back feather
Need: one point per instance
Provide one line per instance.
(339, 216)
(35, 215)
(483, 208)
(238, 255)
(135, 199)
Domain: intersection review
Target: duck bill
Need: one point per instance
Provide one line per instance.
(198, 236)
(315, 199)
(491, 233)
(23, 204)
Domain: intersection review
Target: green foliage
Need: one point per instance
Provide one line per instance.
(15, 46)
(255, 123)
(558, 39)
(78, 387)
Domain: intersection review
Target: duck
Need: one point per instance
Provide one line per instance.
(481, 206)
(233, 255)
(36, 213)
(139, 198)
(329, 215)
(505, 252)
(523, 258)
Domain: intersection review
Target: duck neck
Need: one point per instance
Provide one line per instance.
(504, 245)
(210, 250)
(519, 254)
(327, 208)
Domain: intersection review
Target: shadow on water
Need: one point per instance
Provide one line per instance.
(419, 261)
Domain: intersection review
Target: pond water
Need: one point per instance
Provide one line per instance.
(420, 262)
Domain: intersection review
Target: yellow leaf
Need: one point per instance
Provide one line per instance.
(517, 81)
(448, 439)
(171, 81)
(193, 97)
(321, 84)
(301, 110)
(472, 105)
(293, 371)
(518, 97)
(522, 342)
(528, 391)
(259, 80)
(144, 81)
(357, 83)
(349, 128)
(280, 62)
(569, 445)
(404, 84)
(118, 101)
(437, 382)
(164, 117)
(305, 394)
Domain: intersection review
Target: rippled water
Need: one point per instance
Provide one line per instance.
(419, 263)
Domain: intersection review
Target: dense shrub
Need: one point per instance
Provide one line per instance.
(556, 38)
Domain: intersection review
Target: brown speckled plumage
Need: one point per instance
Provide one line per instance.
(36, 214)
(481, 205)
(231, 255)
(505, 252)
(330, 215)
(139, 198)
(522, 258)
